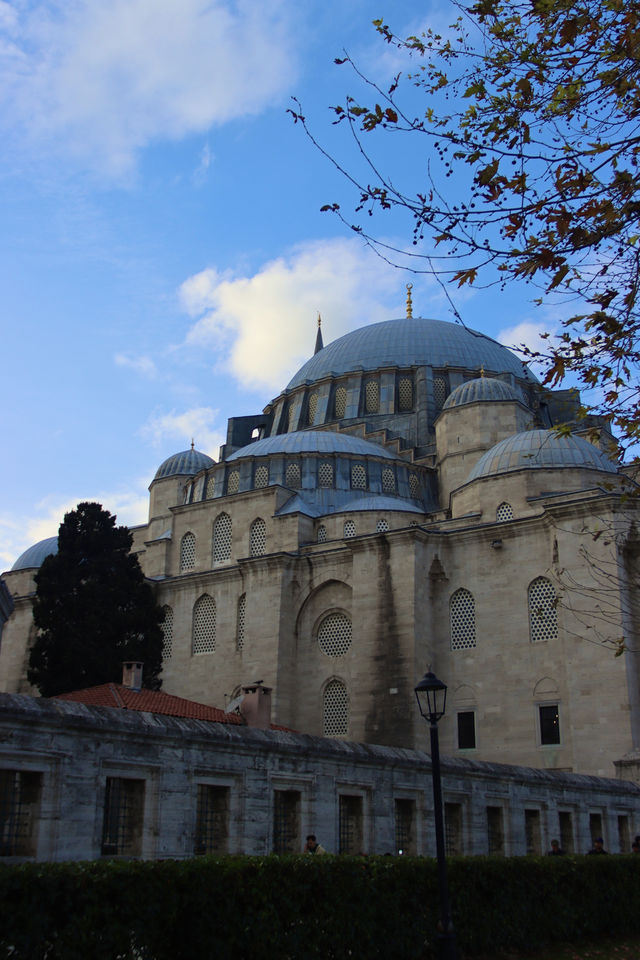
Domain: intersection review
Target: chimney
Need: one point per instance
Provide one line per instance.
(256, 705)
(132, 674)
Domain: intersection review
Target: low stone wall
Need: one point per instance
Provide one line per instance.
(90, 781)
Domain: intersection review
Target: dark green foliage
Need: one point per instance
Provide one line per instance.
(331, 908)
(93, 608)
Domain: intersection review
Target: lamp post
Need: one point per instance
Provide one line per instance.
(431, 695)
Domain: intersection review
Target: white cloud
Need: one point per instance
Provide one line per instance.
(529, 334)
(198, 424)
(142, 365)
(102, 78)
(262, 327)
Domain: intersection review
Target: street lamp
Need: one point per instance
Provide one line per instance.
(431, 695)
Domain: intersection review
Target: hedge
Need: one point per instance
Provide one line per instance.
(347, 908)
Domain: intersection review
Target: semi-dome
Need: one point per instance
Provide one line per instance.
(187, 463)
(487, 389)
(34, 556)
(541, 449)
(410, 342)
(311, 441)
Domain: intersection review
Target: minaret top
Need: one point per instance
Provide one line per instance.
(319, 343)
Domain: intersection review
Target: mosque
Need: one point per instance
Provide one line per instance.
(404, 501)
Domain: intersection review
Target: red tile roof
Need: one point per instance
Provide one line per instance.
(151, 701)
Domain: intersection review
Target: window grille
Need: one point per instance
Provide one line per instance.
(204, 625)
(167, 633)
(504, 512)
(543, 615)
(439, 392)
(565, 824)
(388, 481)
(350, 825)
(291, 419)
(261, 477)
(595, 826)
(222, 538)
(19, 810)
(349, 529)
(382, 526)
(623, 833)
(414, 486)
(211, 486)
(372, 396)
(257, 538)
(405, 811)
(334, 634)
(240, 620)
(549, 724)
(532, 833)
(358, 477)
(233, 482)
(462, 610)
(335, 710)
(312, 406)
(293, 475)
(453, 829)
(187, 552)
(123, 817)
(325, 475)
(286, 821)
(340, 403)
(212, 819)
(322, 533)
(495, 835)
(405, 394)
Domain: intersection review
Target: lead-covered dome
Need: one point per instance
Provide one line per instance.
(311, 441)
(410, 342)
(187, 463)
(34, 556)
(541, 449)
(483, 389)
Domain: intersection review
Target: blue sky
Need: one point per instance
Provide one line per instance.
(163, 254)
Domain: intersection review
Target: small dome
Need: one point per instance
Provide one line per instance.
(410, 342)
(35, 555)
(541, 449)
(311, 441)
(387, 504)
(486, 389)
(187, 463)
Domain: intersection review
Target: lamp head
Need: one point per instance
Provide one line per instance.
(431, 695)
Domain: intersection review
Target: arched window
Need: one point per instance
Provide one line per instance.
(167, 633)
(233, 481)
(340, 403)
(543, 613)
(312, 406)
(257, 538)
(405, 394)
(203, 634)
(240, 618)
(388, 480)
(291, 424)
(261, 477)
(382, 526)
(293, 475)
(439, 392)
(371, 396)
(358, 477)
(462, 611)
(335, 710)
(222, 538)
(210, 487)
(504, 512)
(187, 552)
(322, 533)
(325, 475)
(349, 529)
(334, 634)
(414, 486)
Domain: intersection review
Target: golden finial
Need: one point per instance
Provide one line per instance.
(409, 303)
(319, 319)
(192, 443)
(482, 371)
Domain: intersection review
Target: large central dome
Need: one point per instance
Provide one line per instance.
(410, 342)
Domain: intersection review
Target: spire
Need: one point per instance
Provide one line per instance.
(319, 343)
(192, 443)
(409, 303)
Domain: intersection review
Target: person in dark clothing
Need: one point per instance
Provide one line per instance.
(598, 846)
(556, 849)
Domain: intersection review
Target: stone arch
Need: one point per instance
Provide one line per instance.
(545, 687)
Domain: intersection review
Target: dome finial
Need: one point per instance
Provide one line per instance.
(192, 443)
(319, 343)
(409, 303)
(482, 370)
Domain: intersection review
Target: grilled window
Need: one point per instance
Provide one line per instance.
(261, 477)
(335, 718)
(257, 538)
(167, 633)
(350, 825)
(543, 614)
(187, 552)
(340, 403)
(222, 529)
(240, 621)
(293, 475)
(212, 819)
(19, 811)
(286, 821)
(462, 611)
(203, 638)
(123, 817)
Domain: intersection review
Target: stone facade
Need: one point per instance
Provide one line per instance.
(403, 502)
(82, 782)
